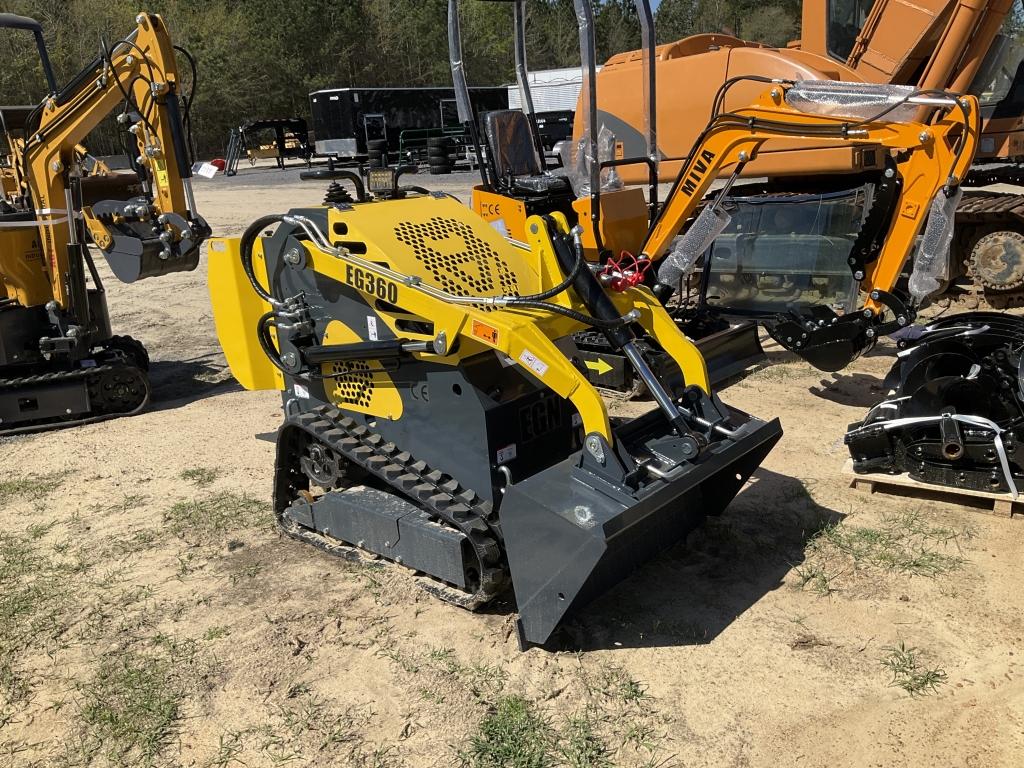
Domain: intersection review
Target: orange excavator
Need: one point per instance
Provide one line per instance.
(963, 46)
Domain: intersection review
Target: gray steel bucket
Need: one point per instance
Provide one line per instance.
(571, 535)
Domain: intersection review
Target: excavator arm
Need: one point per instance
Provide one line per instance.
(926, 162)
(154, 234)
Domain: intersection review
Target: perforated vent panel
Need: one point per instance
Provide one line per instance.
(353, 384)
(458, 260)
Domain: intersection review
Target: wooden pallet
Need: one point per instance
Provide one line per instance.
(1001, 504)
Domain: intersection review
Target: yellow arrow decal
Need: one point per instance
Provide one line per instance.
(598, 365)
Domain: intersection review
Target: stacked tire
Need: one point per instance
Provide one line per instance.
(439, 154)
(377, 153)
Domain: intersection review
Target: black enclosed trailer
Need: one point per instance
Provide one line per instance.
(344, 119)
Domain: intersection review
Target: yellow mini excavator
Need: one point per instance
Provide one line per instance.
(59, 362)
(436, 411)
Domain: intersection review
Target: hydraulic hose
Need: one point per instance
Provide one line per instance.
(245, 247)
(555, 290)
(537, 300)
(266, 345)
(579, 317)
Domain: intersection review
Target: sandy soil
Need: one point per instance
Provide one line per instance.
(152, 615)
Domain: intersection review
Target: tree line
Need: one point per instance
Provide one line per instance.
(261, 59)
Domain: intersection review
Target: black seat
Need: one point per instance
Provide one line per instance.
(514, 156)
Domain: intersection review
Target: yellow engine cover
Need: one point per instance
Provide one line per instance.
(360, 385)
(23, 275)
(440, 241)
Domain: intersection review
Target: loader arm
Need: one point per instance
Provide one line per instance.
(927, 160)
(141, 67)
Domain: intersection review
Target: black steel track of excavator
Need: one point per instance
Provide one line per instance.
(466, 520)
(60, 399)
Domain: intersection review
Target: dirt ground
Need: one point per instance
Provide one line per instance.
(151, 615)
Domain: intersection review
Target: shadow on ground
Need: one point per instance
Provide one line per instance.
(693, 592)
(179, 382)
(855, 389)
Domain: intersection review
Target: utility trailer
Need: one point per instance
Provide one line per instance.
(277, 139)
(345, 120)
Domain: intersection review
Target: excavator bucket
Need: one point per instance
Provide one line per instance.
(571, 534)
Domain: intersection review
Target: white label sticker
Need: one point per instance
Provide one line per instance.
(533, 362)
(301, 391)
(371, 327)
(507, 453)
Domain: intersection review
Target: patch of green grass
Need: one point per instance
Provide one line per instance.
(35, 594)
(513, 734)
(581, 746)
(814, 577)
(216, 633)
(30, 487)
(306, 729)
(130, 709)
(308, 716)
(614, 682)
(781, 371)
(200, 476)
(215, 514)
(905, 542)
(908, 671)
(229, 747)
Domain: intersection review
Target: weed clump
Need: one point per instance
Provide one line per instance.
(215, 514)
(908, 671)
(905, 543)
(200, 476)
(131, 708)
(513, 734)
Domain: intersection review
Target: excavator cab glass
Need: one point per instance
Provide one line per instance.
(845, 20)
(999, 84)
